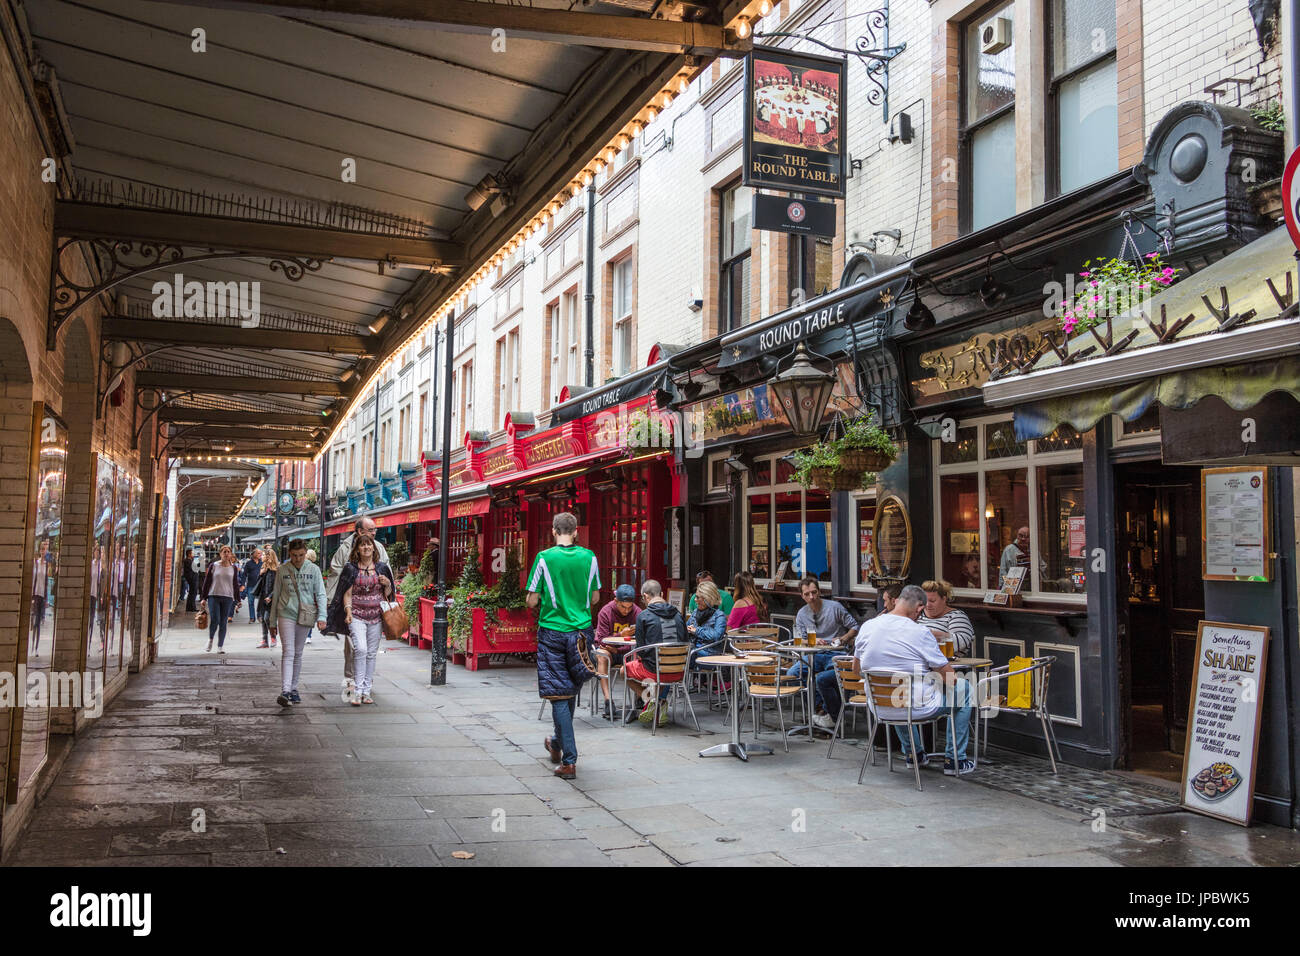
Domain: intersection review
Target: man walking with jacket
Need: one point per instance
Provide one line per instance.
(252, 573)
(565, 583)
(364, 526)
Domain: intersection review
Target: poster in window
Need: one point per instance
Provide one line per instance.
(794, 104)
(1077, 535)
(1235, 538)
(30, 725)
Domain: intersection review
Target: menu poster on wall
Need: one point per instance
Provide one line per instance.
(1077, 534)
(1223, 720)
(1235, 540)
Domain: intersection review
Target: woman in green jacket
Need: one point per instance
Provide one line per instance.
(297, 602)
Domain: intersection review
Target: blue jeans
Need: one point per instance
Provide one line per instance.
(252, 605)
(220, 610)
(828, 692)
(821, 662)
(562, 716)
(959, 726)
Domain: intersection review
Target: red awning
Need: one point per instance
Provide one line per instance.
(416, 512)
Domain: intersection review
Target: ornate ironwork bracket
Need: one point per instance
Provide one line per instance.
(872, 48)
(121, 259)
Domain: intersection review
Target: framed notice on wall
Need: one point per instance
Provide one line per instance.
(1235, 538)
(1223, 720)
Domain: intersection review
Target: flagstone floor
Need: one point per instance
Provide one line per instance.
(195, 765)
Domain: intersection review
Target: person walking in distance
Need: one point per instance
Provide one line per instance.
(252, 574)
(297, 601)
(341, 557)
(564, 583)
(364, 583)
(262, 595)
(187, 583)
(220, 592)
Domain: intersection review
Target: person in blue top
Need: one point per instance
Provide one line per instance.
(707, 624)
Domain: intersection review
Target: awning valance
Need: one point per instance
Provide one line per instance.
(1240, 386)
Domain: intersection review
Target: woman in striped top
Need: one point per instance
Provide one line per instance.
(938, 615)
(364, 583)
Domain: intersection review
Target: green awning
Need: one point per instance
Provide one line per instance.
(1240, 386)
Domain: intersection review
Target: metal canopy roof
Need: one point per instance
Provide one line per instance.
(228, 166)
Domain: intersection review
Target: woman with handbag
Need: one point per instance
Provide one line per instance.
(220, 593)
(262, 595)
(297, 602)
(365, 584)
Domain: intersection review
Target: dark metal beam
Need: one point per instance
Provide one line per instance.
(246, 451)
(222, 384)
(228, 416)
(83, 220)
(526, 23)
(123, 329)
(221, 433)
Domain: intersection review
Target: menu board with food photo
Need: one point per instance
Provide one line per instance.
(1223, 720)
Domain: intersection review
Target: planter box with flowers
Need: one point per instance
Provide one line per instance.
(846, 463)
(1109, 289)
(490, 620)
(647, 433)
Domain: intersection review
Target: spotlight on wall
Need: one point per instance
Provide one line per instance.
(380, 322)
(919, 317)
(487, 187)
(992, 292)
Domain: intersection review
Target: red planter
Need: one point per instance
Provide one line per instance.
(516, 634)
(426, 624)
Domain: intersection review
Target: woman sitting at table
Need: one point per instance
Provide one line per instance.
(939, 616)
(750, 608)
(707, 623)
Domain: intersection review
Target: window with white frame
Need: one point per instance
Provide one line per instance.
(787, 529)
(1002, 503)
(624, 326)
(572, 333)
(989, 116)
(863, 510)
(556, 327)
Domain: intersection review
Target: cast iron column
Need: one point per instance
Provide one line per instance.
(323, 490)
(438, 658)
(590, 298)
(276, 508)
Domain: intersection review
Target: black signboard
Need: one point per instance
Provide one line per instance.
(610, 396)
(807, 217)
(794, 122)
(826, 329)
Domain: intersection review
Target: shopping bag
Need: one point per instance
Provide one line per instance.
(394, 620)
(201, 620)
(1020, 688)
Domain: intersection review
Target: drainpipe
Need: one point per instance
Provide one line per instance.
(590, 297)
(374, 442)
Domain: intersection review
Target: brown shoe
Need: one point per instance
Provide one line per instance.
(566, 771)
(554, 751)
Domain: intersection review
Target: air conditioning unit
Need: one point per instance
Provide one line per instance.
(995, 35)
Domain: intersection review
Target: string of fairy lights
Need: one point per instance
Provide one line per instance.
(740, 27)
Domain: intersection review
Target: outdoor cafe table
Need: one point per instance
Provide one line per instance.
(812, 682)
(735, 747)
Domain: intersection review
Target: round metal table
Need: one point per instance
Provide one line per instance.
(735, 748)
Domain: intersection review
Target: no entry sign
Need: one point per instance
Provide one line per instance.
(1291, 197)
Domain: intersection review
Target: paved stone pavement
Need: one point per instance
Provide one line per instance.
(198, 739)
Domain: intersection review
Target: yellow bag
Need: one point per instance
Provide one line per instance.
(1020, 688)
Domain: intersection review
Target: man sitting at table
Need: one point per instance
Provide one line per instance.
(896, 642)
(830, 621)
(617, 618)
(659, 623)
(828, 688)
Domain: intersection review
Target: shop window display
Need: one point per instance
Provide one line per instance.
(864, 516)
(788, 528)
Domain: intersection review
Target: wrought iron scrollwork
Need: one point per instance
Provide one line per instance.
(117, 260)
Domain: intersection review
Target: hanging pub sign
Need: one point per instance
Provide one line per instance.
(1223, 718)
(794, 107)
(806, 217)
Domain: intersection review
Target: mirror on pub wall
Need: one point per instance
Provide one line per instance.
(101, 566)
(51, 463)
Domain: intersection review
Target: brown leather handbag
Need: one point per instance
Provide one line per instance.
(395, 622)
(201, 620)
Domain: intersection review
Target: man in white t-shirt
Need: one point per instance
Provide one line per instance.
(895, 641)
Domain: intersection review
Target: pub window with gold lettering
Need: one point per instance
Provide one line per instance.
(1002, 503)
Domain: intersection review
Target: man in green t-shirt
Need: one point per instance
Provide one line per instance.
(563, 584)
(727, 600)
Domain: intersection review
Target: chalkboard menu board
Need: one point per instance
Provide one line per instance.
(891, 538)
(1223, 720)
(1235, 539)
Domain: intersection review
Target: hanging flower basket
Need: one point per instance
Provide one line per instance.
(836, 479)
(864, 459)
(845, 463)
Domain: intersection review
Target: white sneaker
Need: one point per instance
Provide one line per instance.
(209, 645)
(309, 640)
(823, 721)
(221, 650)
